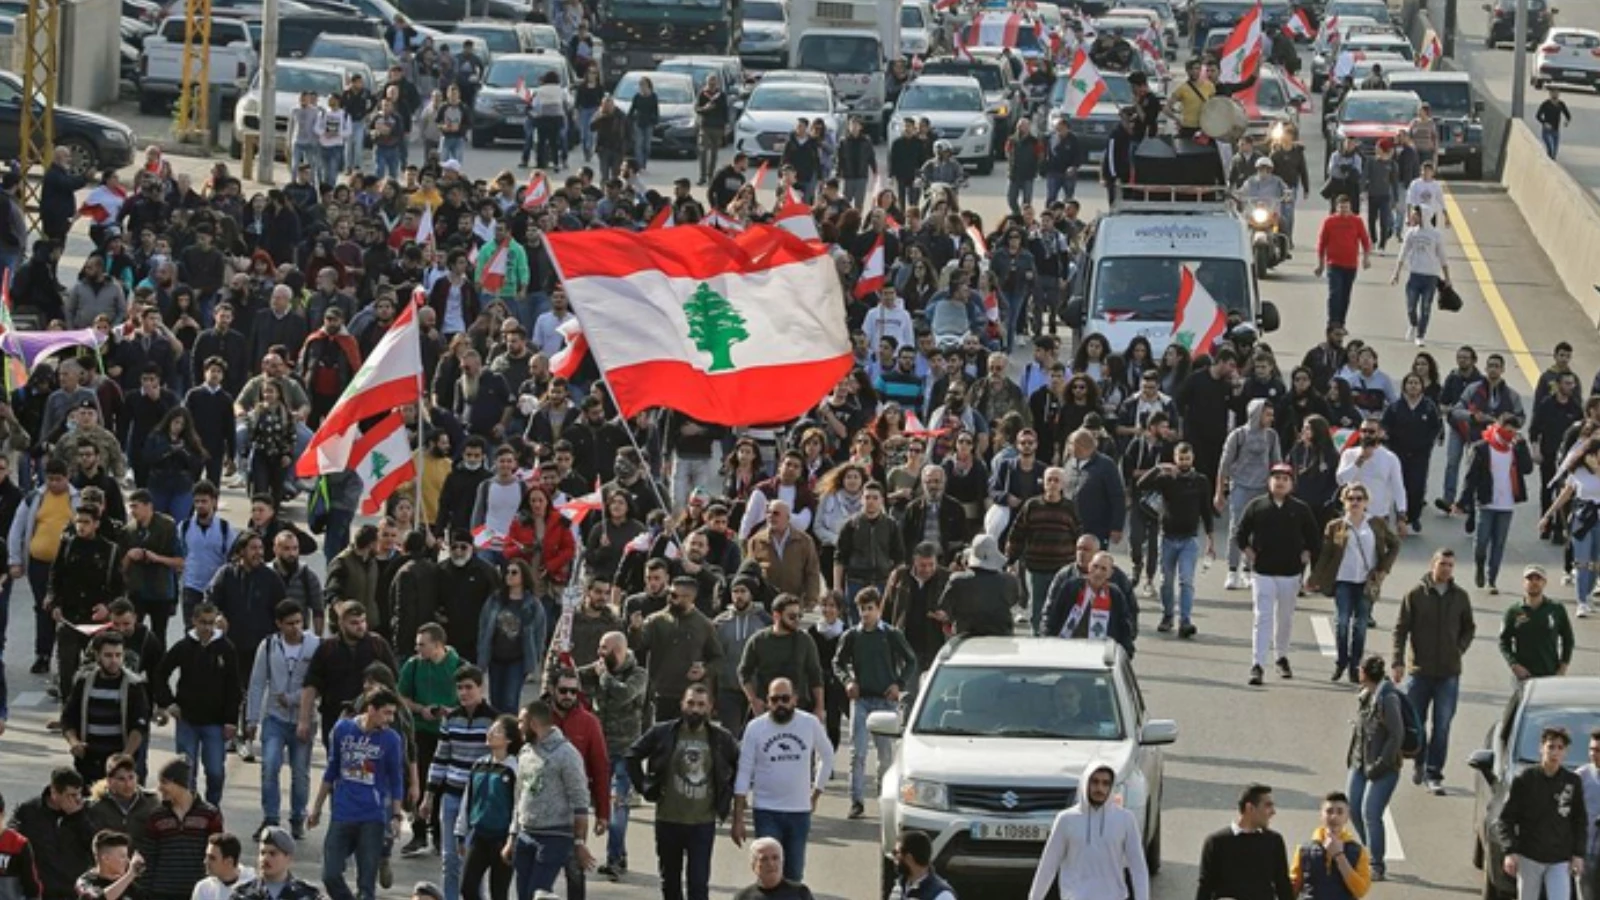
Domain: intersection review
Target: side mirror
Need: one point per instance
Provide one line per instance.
(884, 724)
(1075, 311)
(1477, 107)
(1482, 761)
(1157, 732)
(1487, 8)
(1269, 316)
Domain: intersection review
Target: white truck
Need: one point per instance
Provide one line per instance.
(233, 62)
(852, 42)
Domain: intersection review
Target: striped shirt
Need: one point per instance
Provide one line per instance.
(177, 857)
(461, 744)
(105, 710)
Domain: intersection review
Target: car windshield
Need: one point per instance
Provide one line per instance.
(911, 17)
(839, 55)
(788, 98)
(1401, 49)
(935, 97)
(1164, 10)
(295, 80)
(1269, 94)
(498, 40)
(698, 73)
(1144, 289)
(668, 92)
(763, 12)
(996, 701)
(989, 77)
(546, 39)
(506, 73)
(1448, 99)
(1118, 91)
(1377, 12)
(1357, 108)
(1577, 720)
(373, 56)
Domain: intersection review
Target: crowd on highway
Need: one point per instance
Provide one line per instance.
(569, 609)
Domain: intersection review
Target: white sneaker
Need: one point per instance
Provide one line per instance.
(1411, 332)
(1566, 579)
(1235, 582)
(1421, 342)
(1584, 610)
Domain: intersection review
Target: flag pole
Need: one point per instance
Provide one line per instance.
(422, 410)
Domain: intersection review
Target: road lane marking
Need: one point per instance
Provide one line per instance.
(1322, 627)
(1491, 291)
(1393, 850)
(29, 698)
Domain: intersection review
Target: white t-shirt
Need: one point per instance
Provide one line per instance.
(781, 764)
(1500, 477)
(1426, 194)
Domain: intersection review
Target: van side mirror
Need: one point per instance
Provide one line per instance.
(1074, 314)
(1269, 316)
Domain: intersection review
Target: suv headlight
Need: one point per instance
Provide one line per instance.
(483, 103)
(979, 130)
(926, 794)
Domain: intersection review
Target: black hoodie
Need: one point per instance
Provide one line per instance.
(1543, 817)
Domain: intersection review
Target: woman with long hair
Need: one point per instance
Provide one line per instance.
(271, 430)
(1083, 398)
(1093, 351)
(1301, 403)
(1581, 488)
(1357, 552)
(905, 479)
(920, 287)
(175, 456)
(511, 632)
(889, 424)
(1174, 368)
(742, 471)
(814, 455)
(540, 535)
(1316, 466)
(1427, 368)
(1135, 359)
(1342, 411)
(603, 545)
(840, 495)
(866, 452)
(967, 480)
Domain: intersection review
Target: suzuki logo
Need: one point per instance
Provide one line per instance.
(1009, 800)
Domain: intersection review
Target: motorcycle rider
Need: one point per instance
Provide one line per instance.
(944, 169)
(1264, 184)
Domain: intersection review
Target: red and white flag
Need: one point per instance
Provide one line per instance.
(1330, 30)
(567, 360)
(522, 89)
(978, 241)
(538, 193)
(791, 196)
(915, 428)
(959, 45)
(1241, 52)
(390, 378)
(731, 330)
(993, 29)
(1299, 26)
(1200, 320)
(662, 219)
(1085, 87)
(722, 222)
(872, 270)
(103, 203)
(425, 226)
(578, 508)
(991, 307)
(946, 5)
(760, 176)
(1432, 50)
(796, 218)
(493, 276)
(382, 457)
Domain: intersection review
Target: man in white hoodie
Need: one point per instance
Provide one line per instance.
(1091, 845)
(223, 872)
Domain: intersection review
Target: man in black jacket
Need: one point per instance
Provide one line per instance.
(57, 828)
(58, 200)
(83, 579)
(711, 112)
(1543, 825)
(1247, 860)
(907, 153)
(979, 601)
(686, 767)
(726, 183)
(1024, 152)
(1089, 607)
(1278, 534)
(205, 704)
(1185, 507)
(1116, 166)
(855, 162)
(1062, 158)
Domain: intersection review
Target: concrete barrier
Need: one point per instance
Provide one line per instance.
(1561, 214)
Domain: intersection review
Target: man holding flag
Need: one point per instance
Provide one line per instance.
(502, 268)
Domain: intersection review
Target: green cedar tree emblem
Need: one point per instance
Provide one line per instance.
(714, 326)
(379, 464)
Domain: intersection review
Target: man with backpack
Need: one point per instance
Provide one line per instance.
(327, 362)
(207, 539)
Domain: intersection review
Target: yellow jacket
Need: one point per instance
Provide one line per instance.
(1357, 881)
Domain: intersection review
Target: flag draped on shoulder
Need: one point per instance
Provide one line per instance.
(390, 378)
(383, 459)
(103, 203)
(1200, 320)
(729, 329)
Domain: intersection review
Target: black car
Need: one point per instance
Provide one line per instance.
(96, 143)
(1503, 21)
(1512, 745)
(1209, 14)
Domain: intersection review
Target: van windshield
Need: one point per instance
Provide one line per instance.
(1142, 289)
(839, 55)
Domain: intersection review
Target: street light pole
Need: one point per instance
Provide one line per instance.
(1519, 61)
(267, 112)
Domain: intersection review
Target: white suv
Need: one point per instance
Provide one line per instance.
(1046, 708)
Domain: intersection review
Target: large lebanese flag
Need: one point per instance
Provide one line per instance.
(1241, 52)
(993, 29)
(390, 378)
(871, 271)
(383, 459)
(1085, 87)
(728, 329)
(1199, 320)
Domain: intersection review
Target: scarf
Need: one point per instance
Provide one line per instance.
(1499, 438)
(1097, 604)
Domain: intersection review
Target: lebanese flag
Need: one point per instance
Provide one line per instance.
(991, 307)
(1330, 30)
(791, 196)
(728, 329)
(1247, 99)
(390, 378)
(993, 30)
(871, 270)
(522, 89)
(959, 44)
(578, 508)
(722, 222)
(565, 362)
(382, 457)
(760, 176)
(663, 219)
(1147, 42)
(538, 192)
(1432, 50)
(1241, 53)
(425, 226)
(494, 273)
(978, 241)
(796, 218)
(103, 203)
(1085, 87)
(1299, 26)
(915, 428)
(485, 538)
(1199, 320)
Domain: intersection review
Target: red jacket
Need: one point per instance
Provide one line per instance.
(582, 728)
(557, 552)
(19, 877)
(1342, 240)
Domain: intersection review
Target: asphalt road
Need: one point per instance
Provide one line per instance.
(1292, 735)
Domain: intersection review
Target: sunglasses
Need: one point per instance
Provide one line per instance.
(567, 692)
(780, 698)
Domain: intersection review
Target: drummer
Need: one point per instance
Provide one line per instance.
(1189, 98)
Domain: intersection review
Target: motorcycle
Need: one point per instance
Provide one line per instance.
(1269, 244)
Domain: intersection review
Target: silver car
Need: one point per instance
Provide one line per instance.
(769, 115)
(675, 130)
(764, 40)
(954, 106)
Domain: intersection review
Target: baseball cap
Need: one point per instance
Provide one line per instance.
(451, 165)
(427, 889)
(1282, 469)
(1534, 569)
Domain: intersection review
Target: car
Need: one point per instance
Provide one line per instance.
(1376, 10)
(385, 11)
(768, 117)
(728, 68)
(1047, 708)
(1002, 96)
(675, 132)
(1501, 27)
(991, 32)
(94, 143)
(794, 76)
(498, 112)
(1170, 30)
(1272, 105)
(1512, 744)
(297, 33)
(1369, 116)
(1452, 101)
(1568, 56)
(1094, 130)
(1208, 14)
(294, 77)
(371, 52)
(491, 38)
(1387, 63)
(1152, 22)
(764, 38)
(445, 14)
(921, 34)
(954, 107)
(1359, 44)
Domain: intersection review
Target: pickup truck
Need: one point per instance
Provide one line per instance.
(233, 63)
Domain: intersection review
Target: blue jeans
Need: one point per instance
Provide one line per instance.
(1438, 694)
(676, 843)
(332, 164)
(859, 710)
(1494, 526)
(1178, 558)
(621, 789)
(1585, 558)
(364, 841)
(1419, 300)
(1453, 449)
(336, 537)
(277, 740)
(1018, 195)
(1350, 622)
(307, 154)
(1015, 302)
(791, 829)
(530, 137)
(1552, 140)
(1368, 800)
(1380, 219)
(452, 147)
(355, 145)
(505, 683)
(177, 504)
(585, 117)
(387, 163)
(205, 744)
(1238, 498)
(449, 810)
(1341, 282)
(1064, 186)
(642, 138)
(1038, 595)
(538, 860)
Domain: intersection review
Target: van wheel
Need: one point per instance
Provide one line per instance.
(1152, 853)
(986, 166)
(1475, 168)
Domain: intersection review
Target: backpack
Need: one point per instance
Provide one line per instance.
(328, 369)
(1411, 744)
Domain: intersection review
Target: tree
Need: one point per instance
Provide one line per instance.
(714, 326)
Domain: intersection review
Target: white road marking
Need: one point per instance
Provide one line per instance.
(30, 698)
(1322, 626)
(1393, 850)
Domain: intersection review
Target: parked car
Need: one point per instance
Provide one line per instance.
(1501, 27)
(294, 77)
(1568, 56)
(768, 118)
(675, 131)
(94, 142)
(232, 55)
(1002, 96)
(954, 106)
(1452, 101)
(1369, 116)
(498, 112)
(370, 52)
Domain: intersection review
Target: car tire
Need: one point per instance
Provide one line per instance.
(85, 159)
(1475, 168)
(986, 166)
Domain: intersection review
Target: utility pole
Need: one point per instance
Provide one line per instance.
(1519, 61)
(268, 115)
(40, 68)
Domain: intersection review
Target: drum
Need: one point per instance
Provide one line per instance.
(1223, 119)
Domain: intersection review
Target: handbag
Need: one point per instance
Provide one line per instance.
(1449, 300)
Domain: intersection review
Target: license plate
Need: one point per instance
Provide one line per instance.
(1010, 831)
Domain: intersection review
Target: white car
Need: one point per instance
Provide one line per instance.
(996, 740)
(1567, 56)
(954, 106)
(768, 117)
(764, 40)
(795, 76)
(294, 77)
(920, 33)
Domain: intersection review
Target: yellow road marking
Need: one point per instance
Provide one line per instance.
(1491, 291)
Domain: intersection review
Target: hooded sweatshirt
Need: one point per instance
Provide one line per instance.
(1250, 451)
(1316, 875)
(1089, 849)
(552, 788)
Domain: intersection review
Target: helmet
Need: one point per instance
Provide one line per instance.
(943, 147)
(1264, 162)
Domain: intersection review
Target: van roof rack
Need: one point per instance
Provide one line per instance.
(1172, 194)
